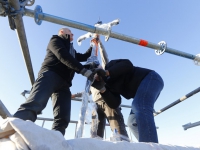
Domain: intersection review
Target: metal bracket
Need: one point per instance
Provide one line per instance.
(27, 3)
(162, 49)
(108, 27)
(109, 31)
(37, 11)
(197, 60)
(30, 2)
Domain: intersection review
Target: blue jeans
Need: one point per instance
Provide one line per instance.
(141, 119)
(48, 84)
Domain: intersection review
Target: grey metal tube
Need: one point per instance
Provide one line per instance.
(71, 121)
(4, 113)
(92, 29)
(178, 101)
(20, 30)
(78, 99)
(191, 125)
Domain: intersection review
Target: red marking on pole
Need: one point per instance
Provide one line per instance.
(143, 43)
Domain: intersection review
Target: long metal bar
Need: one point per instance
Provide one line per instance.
(78, 99)
(20, 30)
(191, 125)
(4, 113)
(75, 131)
(178, 101)
(119, 36)
(43, 123)
(71, 121)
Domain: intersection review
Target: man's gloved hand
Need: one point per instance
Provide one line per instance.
(88, 73)
(100, 72)
(99, 85)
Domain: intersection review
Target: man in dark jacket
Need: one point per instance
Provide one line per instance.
(54, 80)
(120, 77)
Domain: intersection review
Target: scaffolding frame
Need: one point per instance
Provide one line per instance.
(38, 15)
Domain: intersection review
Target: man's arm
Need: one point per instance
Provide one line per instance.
(83, 57)
(113, 100)
(59, 50)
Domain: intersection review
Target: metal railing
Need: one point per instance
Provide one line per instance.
(190, 125)
(76, 122)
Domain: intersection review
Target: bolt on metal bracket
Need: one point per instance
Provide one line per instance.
(162, 49)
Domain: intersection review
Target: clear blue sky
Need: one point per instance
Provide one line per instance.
(176, 22)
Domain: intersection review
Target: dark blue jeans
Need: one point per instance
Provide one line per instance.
(48, 84)
(141, 119)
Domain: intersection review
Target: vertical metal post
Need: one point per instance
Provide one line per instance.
(75, 131)
(43, 123)
(20, 30)
(130, 134)
(105, 132)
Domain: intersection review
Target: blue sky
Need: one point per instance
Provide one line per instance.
(176, 22)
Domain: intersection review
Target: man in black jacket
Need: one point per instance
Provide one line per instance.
(54, 80)
(120, 77)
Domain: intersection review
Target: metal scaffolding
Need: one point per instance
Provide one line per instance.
(15, 9)
(18, 9)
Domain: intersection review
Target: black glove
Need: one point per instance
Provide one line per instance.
(88, 73)
(100, 72)
(99, 85)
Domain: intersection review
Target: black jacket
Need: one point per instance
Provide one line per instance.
(124, 80)
(59, 59)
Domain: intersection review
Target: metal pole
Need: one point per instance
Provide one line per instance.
(105, 133)
(190, 125)
(50, 18)
(75, 131)
(130, 134)
(178, 101)
(4, 113)
(20, 30)
(78, 99)
(43, 123)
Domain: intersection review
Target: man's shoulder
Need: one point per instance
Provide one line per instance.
(55, 37)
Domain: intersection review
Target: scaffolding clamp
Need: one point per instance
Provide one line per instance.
(197, 60)
(108, 27)
(37, 11)
(27, 2)
(162, 49)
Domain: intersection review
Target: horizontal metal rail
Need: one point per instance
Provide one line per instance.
(38, 15)
(178, 101)
(71, 121)
(191, 125)
(78, 99)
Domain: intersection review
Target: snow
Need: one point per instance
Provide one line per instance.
(30, 136)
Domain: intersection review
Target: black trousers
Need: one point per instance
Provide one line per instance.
(48, 84)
